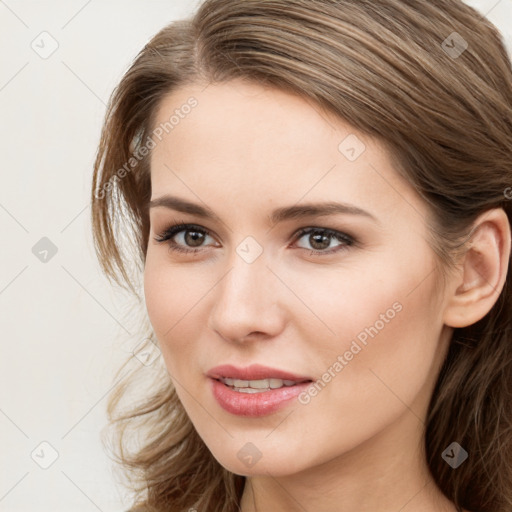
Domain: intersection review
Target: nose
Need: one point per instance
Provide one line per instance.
(247, 302)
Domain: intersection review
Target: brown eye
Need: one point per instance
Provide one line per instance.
(320, 239)
(193, 238)
(182, 236)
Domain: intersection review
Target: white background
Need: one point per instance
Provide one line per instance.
(63, 327)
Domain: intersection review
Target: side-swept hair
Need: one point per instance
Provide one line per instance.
(398, 71)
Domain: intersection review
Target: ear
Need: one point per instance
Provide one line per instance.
(483, 272)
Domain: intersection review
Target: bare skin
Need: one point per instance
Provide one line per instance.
(357, 445)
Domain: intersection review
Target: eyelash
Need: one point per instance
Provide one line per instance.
(174, 229)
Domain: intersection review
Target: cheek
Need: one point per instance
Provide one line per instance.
(384, 353)
(173, 301)
(159, 294)
(381, 313)
(166, 291)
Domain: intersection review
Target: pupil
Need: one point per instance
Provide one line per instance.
(314, 239)
(193, 238)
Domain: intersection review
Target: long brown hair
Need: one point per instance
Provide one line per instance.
(433, 82)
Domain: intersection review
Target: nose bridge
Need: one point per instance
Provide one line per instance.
(246, 298)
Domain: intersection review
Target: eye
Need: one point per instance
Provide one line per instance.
(321, 238)
(188, 234)
(189, 238)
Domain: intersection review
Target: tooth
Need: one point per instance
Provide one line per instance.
(259, 384)
(240, 383)
(275, 383)
(229, 382)
(289, 382)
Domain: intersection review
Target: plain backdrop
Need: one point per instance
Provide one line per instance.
(61, 321)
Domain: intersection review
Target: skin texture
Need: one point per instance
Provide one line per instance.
(244, 151)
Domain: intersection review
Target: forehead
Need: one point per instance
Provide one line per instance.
(265, 143)
(236, 118)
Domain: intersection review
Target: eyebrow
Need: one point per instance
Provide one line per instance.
(279, 215)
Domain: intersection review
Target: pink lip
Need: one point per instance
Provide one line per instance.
(253, 372)
(254, 404)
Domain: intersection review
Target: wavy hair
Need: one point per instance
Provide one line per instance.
(432, 81)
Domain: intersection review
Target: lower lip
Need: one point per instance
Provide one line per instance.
(255, 404)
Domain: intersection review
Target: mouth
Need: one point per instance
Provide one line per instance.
(255, 390)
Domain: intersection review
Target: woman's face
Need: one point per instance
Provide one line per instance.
(350, 303)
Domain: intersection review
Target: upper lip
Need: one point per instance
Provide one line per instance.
(253, 372)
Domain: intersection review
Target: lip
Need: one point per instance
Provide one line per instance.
(254, 404)
(253, 372)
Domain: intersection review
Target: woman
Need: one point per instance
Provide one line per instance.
(318, 193)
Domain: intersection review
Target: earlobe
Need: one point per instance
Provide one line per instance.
(483, 273)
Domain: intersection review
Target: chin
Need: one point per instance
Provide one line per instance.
(249, 461)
